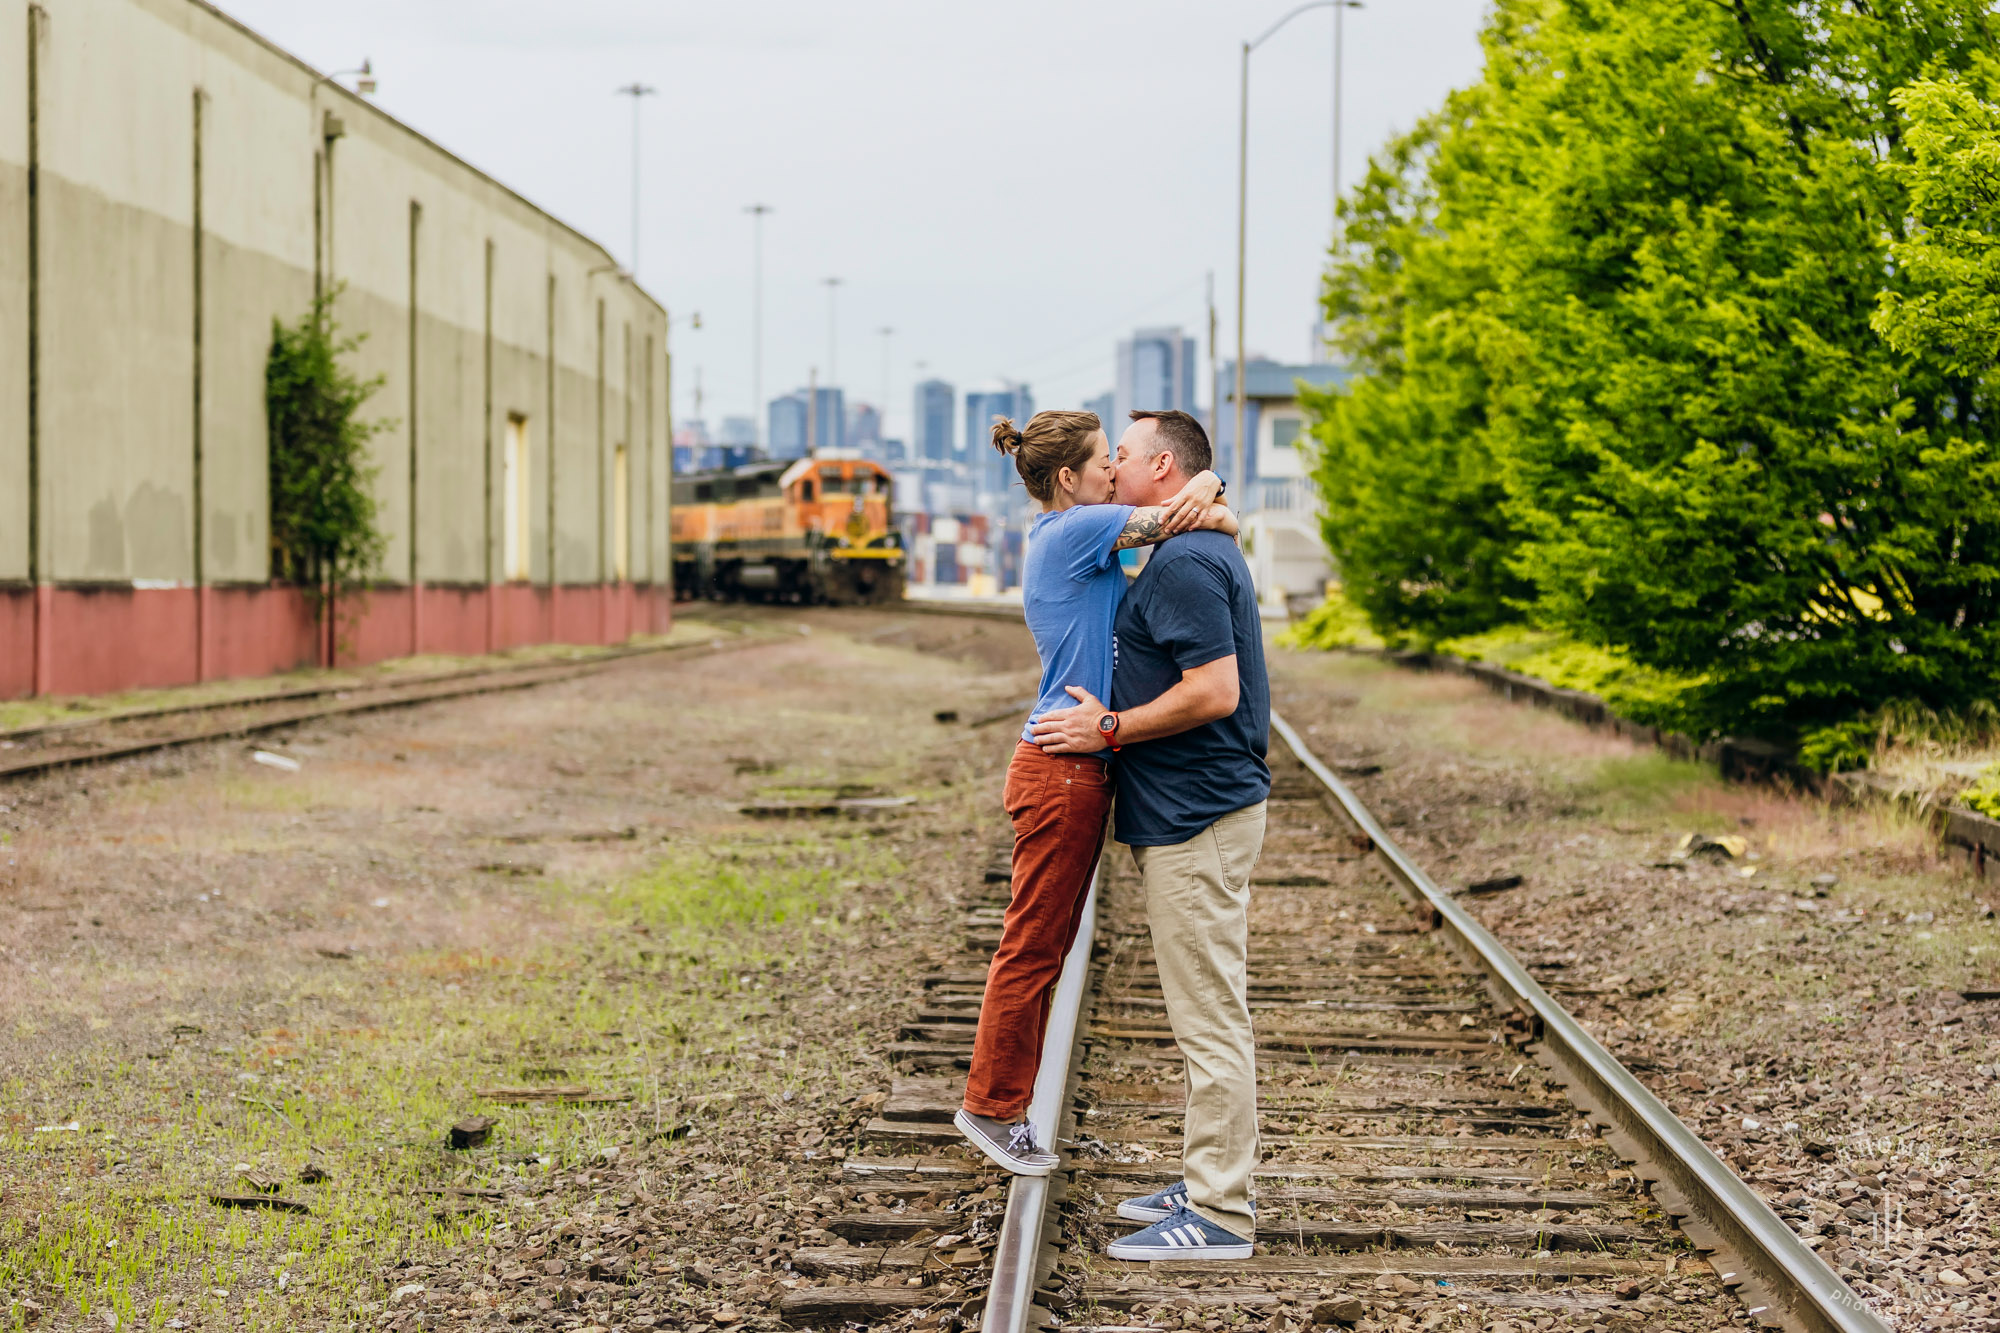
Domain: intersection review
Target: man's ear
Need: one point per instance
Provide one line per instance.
(1163, 463)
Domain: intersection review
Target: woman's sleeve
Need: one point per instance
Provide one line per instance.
(1092, 532)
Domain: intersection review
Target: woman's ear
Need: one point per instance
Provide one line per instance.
(1066, 481)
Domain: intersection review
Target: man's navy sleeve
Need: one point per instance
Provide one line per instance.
(1188, 612)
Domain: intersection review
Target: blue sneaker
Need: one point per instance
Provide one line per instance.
(1180, 1235)
(1155, 1207)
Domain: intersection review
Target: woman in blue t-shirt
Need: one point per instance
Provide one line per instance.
(1071, 586)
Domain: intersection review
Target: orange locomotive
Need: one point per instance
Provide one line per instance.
(810, 530)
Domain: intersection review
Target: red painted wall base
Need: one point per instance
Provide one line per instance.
(93, 640)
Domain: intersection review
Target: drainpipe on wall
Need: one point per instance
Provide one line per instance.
(42, 595)
(491, 596)
(201, 590)
(416, 581)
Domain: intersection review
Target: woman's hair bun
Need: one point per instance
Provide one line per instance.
(1006, 436)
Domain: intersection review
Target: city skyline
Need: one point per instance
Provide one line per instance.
(977, 283)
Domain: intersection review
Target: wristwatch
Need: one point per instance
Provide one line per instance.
(1107, 726)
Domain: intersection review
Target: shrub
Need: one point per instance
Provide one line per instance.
(1655, 698)
(1334, 623)
(323, 533)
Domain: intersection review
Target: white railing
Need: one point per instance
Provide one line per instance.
(1285, 495)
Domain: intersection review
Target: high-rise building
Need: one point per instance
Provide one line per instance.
(930, 433)
(788, 434)
(993, 470)
(864, 427)
(1105, 405)
(1155, 371)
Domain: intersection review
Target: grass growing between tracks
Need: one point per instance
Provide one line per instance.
(656, 988)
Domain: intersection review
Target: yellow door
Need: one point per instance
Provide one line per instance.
(514, 542)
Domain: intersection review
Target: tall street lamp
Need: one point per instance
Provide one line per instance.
(637, 92)
(1339, 13)
(757, 212)
(832, 332)
(1241, 470)
(882, 431)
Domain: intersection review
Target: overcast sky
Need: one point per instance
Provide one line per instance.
(1010, 187)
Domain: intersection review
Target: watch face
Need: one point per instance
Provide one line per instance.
(1108, 723)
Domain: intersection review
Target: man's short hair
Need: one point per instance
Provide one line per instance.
(1181, 435)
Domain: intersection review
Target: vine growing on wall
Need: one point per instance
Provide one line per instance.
(323, 508)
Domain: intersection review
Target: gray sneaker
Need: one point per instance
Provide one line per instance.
(1012, 1146)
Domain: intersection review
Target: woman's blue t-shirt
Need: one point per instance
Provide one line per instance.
(1070, 586)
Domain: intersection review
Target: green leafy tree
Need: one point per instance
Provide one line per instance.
(323, 508)
(1415, 516)
(1949, 310)
(1669, 225)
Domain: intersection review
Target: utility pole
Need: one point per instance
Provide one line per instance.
(637, 92)
(832, 333)
(1238, 471)
(1214, 375)
(812, 412)
(1339, 13)
(887, 333)
(757, 212)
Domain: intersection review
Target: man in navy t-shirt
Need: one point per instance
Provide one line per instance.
(1190, 719)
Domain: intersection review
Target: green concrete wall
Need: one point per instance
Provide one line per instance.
(118, 299)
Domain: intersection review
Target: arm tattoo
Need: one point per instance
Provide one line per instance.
(1144, 528)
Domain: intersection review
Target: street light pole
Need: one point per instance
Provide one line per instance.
(637, 92)
(1341, 13)
(882, 429)
(832, 333)
(757, 212)
(1240, 470)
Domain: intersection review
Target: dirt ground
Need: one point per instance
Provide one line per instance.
(1799, 1003)
(550, 908)
(219, 979)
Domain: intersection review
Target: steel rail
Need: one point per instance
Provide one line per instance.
(44, 730)
(382, 695)
(1016, 1260)
(1792, 1285)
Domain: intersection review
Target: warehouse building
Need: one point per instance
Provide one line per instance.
(170, 183)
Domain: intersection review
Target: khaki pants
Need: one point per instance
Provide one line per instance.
(1197, 904)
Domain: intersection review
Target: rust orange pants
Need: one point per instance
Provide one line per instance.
(1058, 803)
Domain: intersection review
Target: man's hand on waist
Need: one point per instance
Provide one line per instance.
(1072, 730)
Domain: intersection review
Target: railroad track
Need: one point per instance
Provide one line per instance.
(1442, 1143)
(30, 751)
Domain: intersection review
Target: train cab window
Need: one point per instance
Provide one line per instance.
(806, 491)
(835, 484)
(704, 492)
